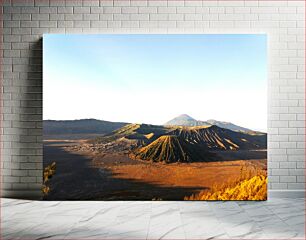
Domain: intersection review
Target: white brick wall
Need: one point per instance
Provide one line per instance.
(24, 22)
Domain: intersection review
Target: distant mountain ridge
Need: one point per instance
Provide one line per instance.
(228, 125)
(101, 127)
(186, 120)
(82, 126)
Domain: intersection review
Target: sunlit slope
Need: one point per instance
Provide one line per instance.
(170, 148)
(216, 138)
(141, 132)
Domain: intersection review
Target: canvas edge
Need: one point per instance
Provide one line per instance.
(37, 195)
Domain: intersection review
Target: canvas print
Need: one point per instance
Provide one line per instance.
(155, 117)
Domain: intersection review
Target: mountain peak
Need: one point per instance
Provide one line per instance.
(185, 117)
(185, 120)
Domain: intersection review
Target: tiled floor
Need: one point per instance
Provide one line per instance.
(274, 219)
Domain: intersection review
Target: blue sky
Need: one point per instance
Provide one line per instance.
(153, 78)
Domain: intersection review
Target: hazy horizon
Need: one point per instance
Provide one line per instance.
(154, 78)
(161, 124)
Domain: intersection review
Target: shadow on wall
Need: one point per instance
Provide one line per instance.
(29, 122)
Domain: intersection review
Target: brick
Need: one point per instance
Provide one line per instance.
(280, 172)
(57, 17)
(265, 24)
(221, 24)
(21, 31)
(23, 3)
(73, 16)
(82, 24)
(229, 17)
(39, 31)
(217, 10)
(105, 17)
(11, 9)
(231, 3)
(139, 17)
(113, 24)
(166, 10)
(112, 10)
(242, 24)
(242, 10)
(287, 145)
(96, 10)
(296, 186)
(91, 16)
(121, 3)
(288, 131)
(288, 53)
(91, 3)
(176, 3)
(160, 17)
(191, 17)
(193, 3)
(130, 24)
(19, 173)
(81, 10)
(40, 3)
(98, 24)
(60, 3)
(157, 3)
(63, 10)
(291, 10)
(21, 17)
(185, 24)
(300, 179)
(147, 9)
(74, 3)
(202, 10)
(273, 164)
(176, 17)
(129, 10)
(167, 24)
(48, 10)
(11, 24)
(11, 179)
(148, 24)
(300, 164)
(277, 186)
(28, 179)
(185, 10)
(119, 17)
(287, 179)
(294, 124)
(29, 10)
(287, 165)
(268, 10)
(20, 46)
(137, 3)
(296, 172)
(39, 16)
